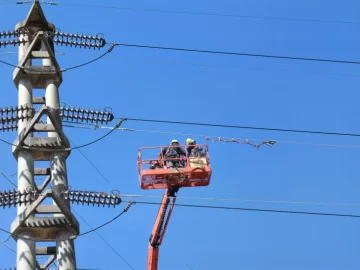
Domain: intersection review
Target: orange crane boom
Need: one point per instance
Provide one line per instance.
(161, 223)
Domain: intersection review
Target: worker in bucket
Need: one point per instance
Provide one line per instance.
(193, 150)
(173, 152)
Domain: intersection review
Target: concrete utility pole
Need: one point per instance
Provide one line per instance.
(29, 149)
(43, 114)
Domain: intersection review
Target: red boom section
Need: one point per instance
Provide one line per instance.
(191, 171)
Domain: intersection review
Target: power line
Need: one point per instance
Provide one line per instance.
(91, 61)
(238, 53)
(106, 242)
(10, 175)
(245, 200)
(102, 137)
(210, 14)
(211, 65)
(95, 229)
(200, 13)
(92, 164)
(8, 247)
(8, 179)
(95, 127)
(213, 125)
(3, 242)
(254, 209)
(244, 127)
(108, 222)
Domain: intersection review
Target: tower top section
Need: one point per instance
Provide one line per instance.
(36, 20)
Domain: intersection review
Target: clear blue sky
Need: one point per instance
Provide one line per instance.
(239, 90)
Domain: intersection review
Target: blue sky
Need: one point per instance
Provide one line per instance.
(183, 86)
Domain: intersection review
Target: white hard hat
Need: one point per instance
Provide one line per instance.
(174, 141)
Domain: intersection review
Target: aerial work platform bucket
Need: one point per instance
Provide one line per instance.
(184, 171)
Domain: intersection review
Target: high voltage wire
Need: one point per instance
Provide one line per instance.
(208, 14)
(198, 13)
(8, 179)
(210, 125)
(211, 65)
(243, 127)
(103, 239)
(3, 242)
(200, 51)
(95, 127)
(95, 230)
(236, 53)
(198, 206)
(92, 164)
(253, 209)
(245, 200)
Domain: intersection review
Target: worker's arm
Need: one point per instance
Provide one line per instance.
(182, 151)
(163, 152)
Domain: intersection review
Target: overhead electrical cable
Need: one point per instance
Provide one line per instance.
(91, 61)
(133, 196)
(7, 246)
(103, 239)
(254, 209)
(208, 14)
(201, 124)
(243, 127)
(92, 164)
(3, 242)
(192, 206)
(210, 65)
(95, 229)
(8, 179)
(236, 53)
(96, 127)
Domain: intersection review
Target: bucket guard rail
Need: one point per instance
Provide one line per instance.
(160, 172)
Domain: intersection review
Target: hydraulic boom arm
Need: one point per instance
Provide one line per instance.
(159, 229)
